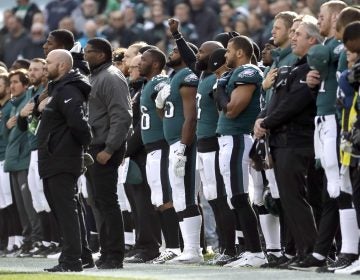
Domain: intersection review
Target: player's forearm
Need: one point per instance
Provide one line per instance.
(188, 131)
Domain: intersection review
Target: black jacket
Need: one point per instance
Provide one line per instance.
(291, 111)
(64, 130)
(134, 141)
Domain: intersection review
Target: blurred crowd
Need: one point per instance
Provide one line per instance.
(25, 25)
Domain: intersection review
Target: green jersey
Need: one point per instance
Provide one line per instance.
(244, 122)
(326, 98)
(343, 64)
(207, 114)
(5, 111)
(151, 124)
(174, 115)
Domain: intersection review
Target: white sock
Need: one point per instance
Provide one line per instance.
(238, 235)
(129, 238)
(19, 240)
(190, 230)
(270, 226)
(11, 242)
(318, 256)
(349, 231)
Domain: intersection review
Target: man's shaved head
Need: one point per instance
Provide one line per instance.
(58, 63)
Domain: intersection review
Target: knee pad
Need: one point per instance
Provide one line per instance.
(344, 201)
(261, 210)
(240, 201)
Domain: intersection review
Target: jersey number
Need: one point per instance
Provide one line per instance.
(145, 118)
(322, 87)
(198, 98)
(169, 109)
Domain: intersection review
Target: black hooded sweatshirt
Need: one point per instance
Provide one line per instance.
(64, 129)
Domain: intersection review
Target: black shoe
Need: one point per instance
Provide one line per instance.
(14, 252)
(111, 264)
(141, 258)
(61, 267)
(100, 260)
(342, 261)
(224, 259)
(310, 263)
(41, 252)
(133, 252)
(274, 261)
(89, 263)
(53, 249)
(292, 261)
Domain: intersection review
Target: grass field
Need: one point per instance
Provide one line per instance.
(32, 269)
(8, 275)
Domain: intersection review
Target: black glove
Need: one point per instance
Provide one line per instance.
(355, 137)
(221, 98)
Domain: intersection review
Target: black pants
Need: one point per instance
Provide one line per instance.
(50, 226)
(60, 191)
(355, 182)
(102, 181)
(291, 166)
(329, 224)
(147, 224)
(30, 220)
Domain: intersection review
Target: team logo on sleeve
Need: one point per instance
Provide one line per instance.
(247, 73)
(191, 78)
(159, 86)
(338, 49)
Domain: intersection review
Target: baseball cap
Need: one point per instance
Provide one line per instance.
(225, 37)
(318, 59)
(217, 59)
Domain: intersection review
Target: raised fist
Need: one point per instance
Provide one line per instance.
(174, 25)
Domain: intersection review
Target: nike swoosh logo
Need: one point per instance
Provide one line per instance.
(224, 145)
(67, 100)
(152, 153)
(302, 82)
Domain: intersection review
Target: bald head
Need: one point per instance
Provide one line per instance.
(205, 50)
(212, 45)
(59, 62)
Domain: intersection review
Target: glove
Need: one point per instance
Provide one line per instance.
(161, 97)
(180, 161)
(270, 203)
(333, 190)
(355, 137)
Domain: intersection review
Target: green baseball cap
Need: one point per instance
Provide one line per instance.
(134, 174)
(318, 59)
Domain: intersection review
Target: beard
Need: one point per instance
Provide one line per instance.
(174, 63)
(2, 94)
(35, 82)
(202, 65)
(52, 75)
(144, 71)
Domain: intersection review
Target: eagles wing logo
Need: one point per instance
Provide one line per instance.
(159, 86)
(247, 73)
(338, 49)
(191, 78)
